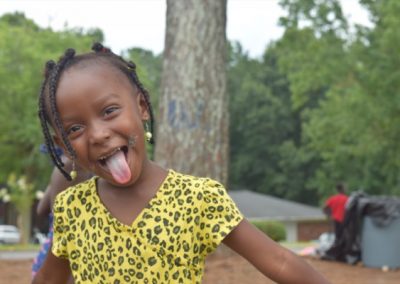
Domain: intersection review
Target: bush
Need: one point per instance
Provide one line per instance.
(274, 230)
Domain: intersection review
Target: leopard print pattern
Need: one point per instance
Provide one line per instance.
(167, 243)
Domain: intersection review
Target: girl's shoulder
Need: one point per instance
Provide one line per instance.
(188, 178)
(77, 192)
(203, 185)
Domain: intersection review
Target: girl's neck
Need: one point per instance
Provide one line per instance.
(126, 203)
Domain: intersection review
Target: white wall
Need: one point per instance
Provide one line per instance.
(291, 230)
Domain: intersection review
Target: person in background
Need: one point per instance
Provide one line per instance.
(57, 184)
(335, 207)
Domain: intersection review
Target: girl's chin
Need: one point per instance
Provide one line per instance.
(119, 182)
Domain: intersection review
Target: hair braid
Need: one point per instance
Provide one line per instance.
(55, 76)
(146, 98)
(44, 121)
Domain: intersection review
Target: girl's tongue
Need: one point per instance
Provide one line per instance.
(118, 167)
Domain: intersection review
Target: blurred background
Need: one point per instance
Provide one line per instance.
(312, 90)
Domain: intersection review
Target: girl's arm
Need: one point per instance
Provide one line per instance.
(43, 207)
(273, 260)
(54, 271)
(57, 183)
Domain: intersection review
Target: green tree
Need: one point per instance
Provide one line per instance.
(352, 128)
(24, 49)
(264, 129)
(21, 194)
(312, 51)
(367, 102)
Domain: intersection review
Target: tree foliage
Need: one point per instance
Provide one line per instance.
(338, 108)
(21, 194)
(363, 109)
(321, 106)
(24, 48)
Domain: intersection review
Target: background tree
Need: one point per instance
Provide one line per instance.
(351, 127)
(265, 129)
(312, 54)
(362, 110)
(193, 114)
(24, 49)
(320, 106)
(21, 194)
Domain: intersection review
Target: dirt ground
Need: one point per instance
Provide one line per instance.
(223, 267)
(227, 267)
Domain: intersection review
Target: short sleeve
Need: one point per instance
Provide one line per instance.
(60, 228)
(218, 217)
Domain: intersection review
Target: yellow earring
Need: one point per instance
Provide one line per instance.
(73, 173)
(147, 134)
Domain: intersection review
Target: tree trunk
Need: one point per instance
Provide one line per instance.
(192, 134)
(24, 224)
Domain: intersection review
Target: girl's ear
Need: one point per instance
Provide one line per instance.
(143, 107)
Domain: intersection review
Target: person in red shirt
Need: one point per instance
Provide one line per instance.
(335, 208)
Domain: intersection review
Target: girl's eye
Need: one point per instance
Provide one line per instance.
(108, 111)
(73, 129)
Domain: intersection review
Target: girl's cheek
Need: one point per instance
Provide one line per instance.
(80, 154)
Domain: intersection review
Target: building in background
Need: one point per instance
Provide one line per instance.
(302, 222)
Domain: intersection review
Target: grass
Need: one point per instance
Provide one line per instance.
(294, 245)
(19, 247)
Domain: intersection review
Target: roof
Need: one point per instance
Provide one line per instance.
(255, 205)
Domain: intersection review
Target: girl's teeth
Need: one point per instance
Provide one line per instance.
(102, 159)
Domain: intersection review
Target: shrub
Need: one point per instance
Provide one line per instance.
(274, 230)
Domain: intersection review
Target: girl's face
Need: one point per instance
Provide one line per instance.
(102, 115)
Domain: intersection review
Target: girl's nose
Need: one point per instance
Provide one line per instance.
(99, 134)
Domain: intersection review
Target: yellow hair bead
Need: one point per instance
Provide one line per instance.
(148, 136)
(73, 174)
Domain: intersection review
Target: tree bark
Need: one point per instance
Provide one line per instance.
(24, 224)
(192, 134)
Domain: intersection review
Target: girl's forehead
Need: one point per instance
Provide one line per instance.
(92, 81)
(92, 67)
(91, 75)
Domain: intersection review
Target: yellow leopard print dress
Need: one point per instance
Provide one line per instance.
(167, 243)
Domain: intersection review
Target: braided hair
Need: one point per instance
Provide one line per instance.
(48, 113)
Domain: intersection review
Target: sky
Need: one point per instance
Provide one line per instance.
(141, 23)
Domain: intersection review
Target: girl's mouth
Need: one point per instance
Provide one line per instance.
(102, 160)
(116, 163)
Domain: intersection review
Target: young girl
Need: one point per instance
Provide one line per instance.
(134, 222)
